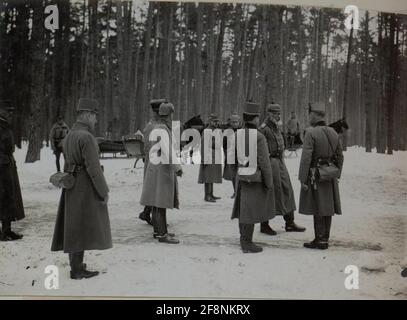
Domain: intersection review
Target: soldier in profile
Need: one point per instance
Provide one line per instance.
(83, 218)
(284, 194)
(160, 187)
(319, 198)
(11, 203)
(145, 215)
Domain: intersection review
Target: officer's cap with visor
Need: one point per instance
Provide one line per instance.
(89, 105)
(318, 108)
(155, 104)
(274, 108)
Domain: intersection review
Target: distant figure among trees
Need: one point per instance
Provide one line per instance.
(58, 132)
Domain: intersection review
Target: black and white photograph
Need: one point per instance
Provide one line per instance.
(203, 150)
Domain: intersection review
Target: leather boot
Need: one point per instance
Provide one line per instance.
(7, 234)
(211, 193)
(328, 223)
(145, 215)
(293, 227)
(246, 236)
(208, 196)
(319, 228)
(155, 233)
(290, 225)
(78, 268)
(162, 234)
(265, 228)
(316, 244)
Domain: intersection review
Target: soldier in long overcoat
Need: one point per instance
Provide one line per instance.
(284, 194)
(254, 201)
(11, 203)
(155, 105)
(320, 199)
(210, 172)
(83, 220)
(230, 169)
(160, 187)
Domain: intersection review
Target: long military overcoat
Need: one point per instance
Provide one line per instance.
(283, 190)
(254, 201)
(83, 220)
(11, 203)
(210, 173)
(160, 187)
(325, 200)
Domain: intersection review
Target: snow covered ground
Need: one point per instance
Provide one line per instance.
(371, 234)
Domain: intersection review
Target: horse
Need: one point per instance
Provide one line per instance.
(339, 126)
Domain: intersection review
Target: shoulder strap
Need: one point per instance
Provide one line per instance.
(329, 141)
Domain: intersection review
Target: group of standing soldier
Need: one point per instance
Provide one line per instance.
(83, 221)
(270, 192)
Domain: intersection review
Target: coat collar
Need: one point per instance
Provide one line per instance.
(250, 125)
(320, 124)
(79, 125)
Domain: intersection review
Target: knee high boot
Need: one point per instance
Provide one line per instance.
(265, 228)
(320, 232)
(290, 225)
(78, 268)
(246, 239)
(208, 196)
(328, 223)
(7, 234)
(154, 214)
(145, 215)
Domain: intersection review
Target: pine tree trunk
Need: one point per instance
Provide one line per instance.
(346, 89)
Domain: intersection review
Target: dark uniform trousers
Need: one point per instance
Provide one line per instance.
(159, 220)
(246, 232)
(322, 227)
(76, 261)
(58, 152)
(6, 226)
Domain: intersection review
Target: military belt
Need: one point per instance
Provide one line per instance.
(74, 168)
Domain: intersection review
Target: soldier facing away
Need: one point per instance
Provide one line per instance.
(284, 194)
(160, 187)
(145, 215)
(11, 203)
(83, 219)
(320, 199)
(254, 201)
(58, 132)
